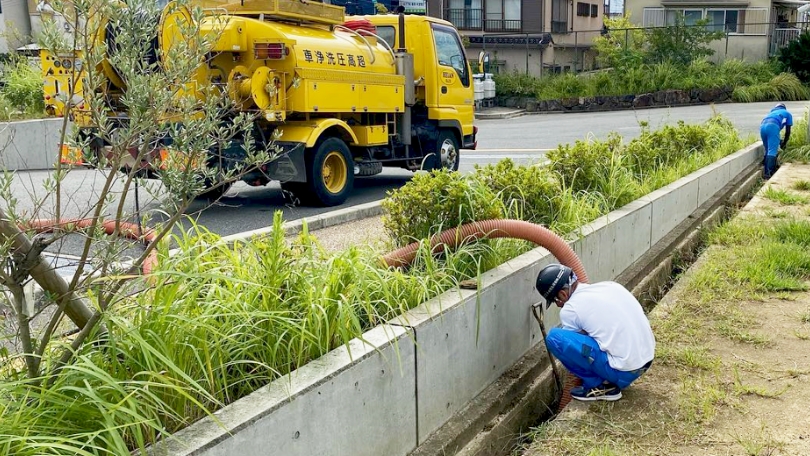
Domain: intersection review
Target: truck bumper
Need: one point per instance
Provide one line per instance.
(471, 141)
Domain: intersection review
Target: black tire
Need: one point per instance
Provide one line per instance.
(330, 173)
(445, 154)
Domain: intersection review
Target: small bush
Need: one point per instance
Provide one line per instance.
(527, 192)
(789, 87)
(796, 57)
(583, 165)
(752, 82)
(515, 84)
(431, 202)
(23, 88)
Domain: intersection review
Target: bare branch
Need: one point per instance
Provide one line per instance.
(43, 274)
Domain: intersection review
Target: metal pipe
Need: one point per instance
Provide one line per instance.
(539, 318)
(402, 33)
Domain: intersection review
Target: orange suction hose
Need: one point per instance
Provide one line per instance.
(491, 229)
(129, 230)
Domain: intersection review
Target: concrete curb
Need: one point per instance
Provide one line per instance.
(500, 115)
(314, 223)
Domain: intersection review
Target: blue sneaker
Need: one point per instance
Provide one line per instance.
(603, 392)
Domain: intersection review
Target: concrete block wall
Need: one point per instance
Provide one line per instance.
(30, 144)
(412, 375)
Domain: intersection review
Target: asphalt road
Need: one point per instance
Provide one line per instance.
(524, 139)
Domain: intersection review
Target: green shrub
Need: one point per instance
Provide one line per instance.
(528, 192)
(681, 43)
(789, 87)
(435, 201)
(782, 87)
(798, 148)
(515, 84)
(623, 48)
(584, 165)
(759, 81)
(563, 86)
(23, 88)
(796, 57)
(655, 149)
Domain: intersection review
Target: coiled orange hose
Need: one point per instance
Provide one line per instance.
(491, 229)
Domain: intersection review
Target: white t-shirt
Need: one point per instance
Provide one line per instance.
(611, 315)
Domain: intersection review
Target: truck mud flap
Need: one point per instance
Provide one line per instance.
(290, 165)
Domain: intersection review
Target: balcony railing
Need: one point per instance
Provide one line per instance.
(473, 19)
(503, 25)
(782, 36)
(464, 19)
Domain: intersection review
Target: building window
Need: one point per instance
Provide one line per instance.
(503, 15)
(559, 16)
(690, 16)
(594, 10)
(583, 9)
(749, 21)
(465, 14)
(724, 20)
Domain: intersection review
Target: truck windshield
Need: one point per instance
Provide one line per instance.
(450, 53)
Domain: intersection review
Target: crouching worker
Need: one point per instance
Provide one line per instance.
(605, 338)
(770, 130)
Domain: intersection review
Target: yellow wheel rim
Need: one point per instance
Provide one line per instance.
(334, 172)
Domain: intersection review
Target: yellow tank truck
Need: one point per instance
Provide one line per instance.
(349, 94)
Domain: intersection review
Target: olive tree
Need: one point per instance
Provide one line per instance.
(166, 104)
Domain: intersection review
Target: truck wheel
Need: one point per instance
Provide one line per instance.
(446, 154)
(330, 172)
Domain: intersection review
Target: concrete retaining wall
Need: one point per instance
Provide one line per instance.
(412, 375)
(30, 144)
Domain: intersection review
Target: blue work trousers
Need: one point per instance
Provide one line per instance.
(581, 355)
(769, 132)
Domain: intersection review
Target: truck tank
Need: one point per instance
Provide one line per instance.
(321, 70)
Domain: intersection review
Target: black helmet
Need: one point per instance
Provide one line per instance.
(552, 279)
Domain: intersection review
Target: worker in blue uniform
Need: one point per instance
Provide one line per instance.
(770, 130)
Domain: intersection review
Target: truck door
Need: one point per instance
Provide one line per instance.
(455, 95)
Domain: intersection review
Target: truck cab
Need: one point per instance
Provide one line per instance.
(442, 73)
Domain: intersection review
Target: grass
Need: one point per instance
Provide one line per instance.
(760, 444)
(802, 186)
(220, 321)
(784, 197)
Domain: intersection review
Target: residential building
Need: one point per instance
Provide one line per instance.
(531, 36)
(755, 29)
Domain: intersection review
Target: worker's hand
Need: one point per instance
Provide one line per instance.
(782, 145)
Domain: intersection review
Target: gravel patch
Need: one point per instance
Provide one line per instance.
(368, 231)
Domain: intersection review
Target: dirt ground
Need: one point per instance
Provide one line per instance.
(731, 376)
